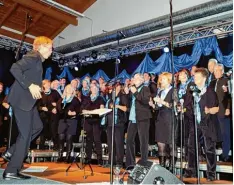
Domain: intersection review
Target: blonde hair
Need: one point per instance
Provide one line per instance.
(41, 40)
(65, 91)
(45, 81)
(167, 75)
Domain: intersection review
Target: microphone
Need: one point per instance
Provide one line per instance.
(181, 102)
(229, 72)
(194, 89)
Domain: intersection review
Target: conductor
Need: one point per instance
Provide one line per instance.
(22, 97)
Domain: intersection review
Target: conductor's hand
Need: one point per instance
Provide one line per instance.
(6, 105)
(35, 90)
(44, 109)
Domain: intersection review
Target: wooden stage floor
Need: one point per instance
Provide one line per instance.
(57, 172)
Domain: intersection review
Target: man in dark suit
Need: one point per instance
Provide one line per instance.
(219, 85)
(211, 64)
(153, 91)
(139, 118)
(22, 97)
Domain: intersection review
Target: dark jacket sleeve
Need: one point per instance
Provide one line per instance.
(143, 96)
(18, 68)
(153, 89)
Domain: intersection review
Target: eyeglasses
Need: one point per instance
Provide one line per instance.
(48, 47)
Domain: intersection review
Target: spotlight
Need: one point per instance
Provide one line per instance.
(76, 68)
(75, 58)
(61, 61)
(166, 50)
(94, 54)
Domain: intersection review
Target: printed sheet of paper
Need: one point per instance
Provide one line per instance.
(99, 112)
(37, 169)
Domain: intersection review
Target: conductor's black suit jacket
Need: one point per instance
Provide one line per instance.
(26, 71)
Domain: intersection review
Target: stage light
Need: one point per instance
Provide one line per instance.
(61, 61)
(166, 50)
(76, 68)
(75, 58)
(94, 54)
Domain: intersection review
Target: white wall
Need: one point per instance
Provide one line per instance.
(110, 15)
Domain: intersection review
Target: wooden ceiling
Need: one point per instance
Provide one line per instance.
(46, 20)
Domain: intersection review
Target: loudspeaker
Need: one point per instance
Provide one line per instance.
(151, 173)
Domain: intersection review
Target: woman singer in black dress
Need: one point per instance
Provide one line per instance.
(163, 125)
(68, 109)
(185, 95)
(121, 107)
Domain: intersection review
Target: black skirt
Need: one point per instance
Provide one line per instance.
(163, 126)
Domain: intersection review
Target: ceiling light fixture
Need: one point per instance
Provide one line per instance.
(63, 8)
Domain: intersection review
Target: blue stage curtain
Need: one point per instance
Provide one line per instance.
(48, 73)
(122, 77)
(101, 73)
(83, 77)
(203, 46)
(146, 65)
(69, 75)
(63, 74)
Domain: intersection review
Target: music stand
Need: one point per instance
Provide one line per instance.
(82, 153)
(87, 113)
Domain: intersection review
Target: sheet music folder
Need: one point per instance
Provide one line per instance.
(96, 112)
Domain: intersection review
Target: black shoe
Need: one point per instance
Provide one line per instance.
(100, 162)
(210, 178)
(7, 156)
(87, 161)
(18, 176)
(106, 166)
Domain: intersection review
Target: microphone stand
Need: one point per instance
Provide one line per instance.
(117, 61)
(181, 139)
(173, 87)
(195, 104)
(27, 24)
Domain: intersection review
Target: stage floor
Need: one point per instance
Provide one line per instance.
(57, 172)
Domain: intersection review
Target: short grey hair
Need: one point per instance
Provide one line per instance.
(213, 60)
(221, 66)
(141, 77)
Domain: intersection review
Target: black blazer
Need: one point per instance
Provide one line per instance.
(223, 97)
(142, 104)
(26, 71)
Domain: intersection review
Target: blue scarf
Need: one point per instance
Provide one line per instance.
(48, 93)
(146, 83)
(183, 89)
(85, 92)
(132, 115)
(117, 100)
(93, 98)
(59, 91)
(209, 79)
(197, 106)
(65, 101)
(10, 111)
(164, 93)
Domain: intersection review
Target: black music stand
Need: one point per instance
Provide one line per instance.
(82, 153)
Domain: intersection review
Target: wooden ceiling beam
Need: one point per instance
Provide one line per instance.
(15, 35)
(48, 11)
(6, 16)
(34, 21)
(60, 29)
